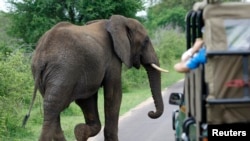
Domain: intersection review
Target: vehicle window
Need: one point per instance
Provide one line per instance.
(238, 34)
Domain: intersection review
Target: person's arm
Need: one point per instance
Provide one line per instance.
(187, 54)
(190, 52)
(182, 66)
(197, 45)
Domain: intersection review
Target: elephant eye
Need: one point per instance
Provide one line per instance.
(145, 42)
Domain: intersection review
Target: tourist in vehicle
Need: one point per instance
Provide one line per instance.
(192, 58)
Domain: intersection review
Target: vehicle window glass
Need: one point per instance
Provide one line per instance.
(238, 34)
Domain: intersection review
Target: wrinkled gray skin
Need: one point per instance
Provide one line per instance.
(72, 62)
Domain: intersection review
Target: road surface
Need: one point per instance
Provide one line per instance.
(137, 126)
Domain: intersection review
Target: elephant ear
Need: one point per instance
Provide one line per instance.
(117, 27)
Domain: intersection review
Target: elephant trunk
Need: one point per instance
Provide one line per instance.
(154, 77)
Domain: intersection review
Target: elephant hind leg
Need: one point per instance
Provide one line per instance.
(93, 124)
(49, 130)
(59, 136)
(52, 129)
(53, 105)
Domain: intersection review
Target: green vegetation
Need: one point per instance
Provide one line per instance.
(16, 87)
(31, 18)
(170, 12)
(16, 82)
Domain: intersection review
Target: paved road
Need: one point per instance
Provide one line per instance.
(137, 126)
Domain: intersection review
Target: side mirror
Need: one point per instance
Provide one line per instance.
(176, 98)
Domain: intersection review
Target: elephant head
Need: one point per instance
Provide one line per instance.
(133, 46)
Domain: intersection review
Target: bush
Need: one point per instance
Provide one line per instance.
(169, 44)
(133, 78)
(16, 86)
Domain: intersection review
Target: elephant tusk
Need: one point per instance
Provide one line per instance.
(158, 68)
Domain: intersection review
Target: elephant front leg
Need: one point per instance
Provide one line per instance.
(112, 102)
(93, 124)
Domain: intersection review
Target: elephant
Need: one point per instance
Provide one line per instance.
(71, 62)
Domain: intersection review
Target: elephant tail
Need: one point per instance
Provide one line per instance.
(30, 108)
(37, 73)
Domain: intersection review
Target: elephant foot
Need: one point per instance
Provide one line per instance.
(59, 137)
(84, 131)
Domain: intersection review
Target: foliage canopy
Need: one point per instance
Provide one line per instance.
(31, 18)
(170, 12)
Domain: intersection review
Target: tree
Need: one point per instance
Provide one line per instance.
(170, 12)
(157, 17)
(31, 18)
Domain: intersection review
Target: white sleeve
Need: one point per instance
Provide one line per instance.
(186, 54)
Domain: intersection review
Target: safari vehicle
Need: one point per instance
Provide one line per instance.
(216, 96)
